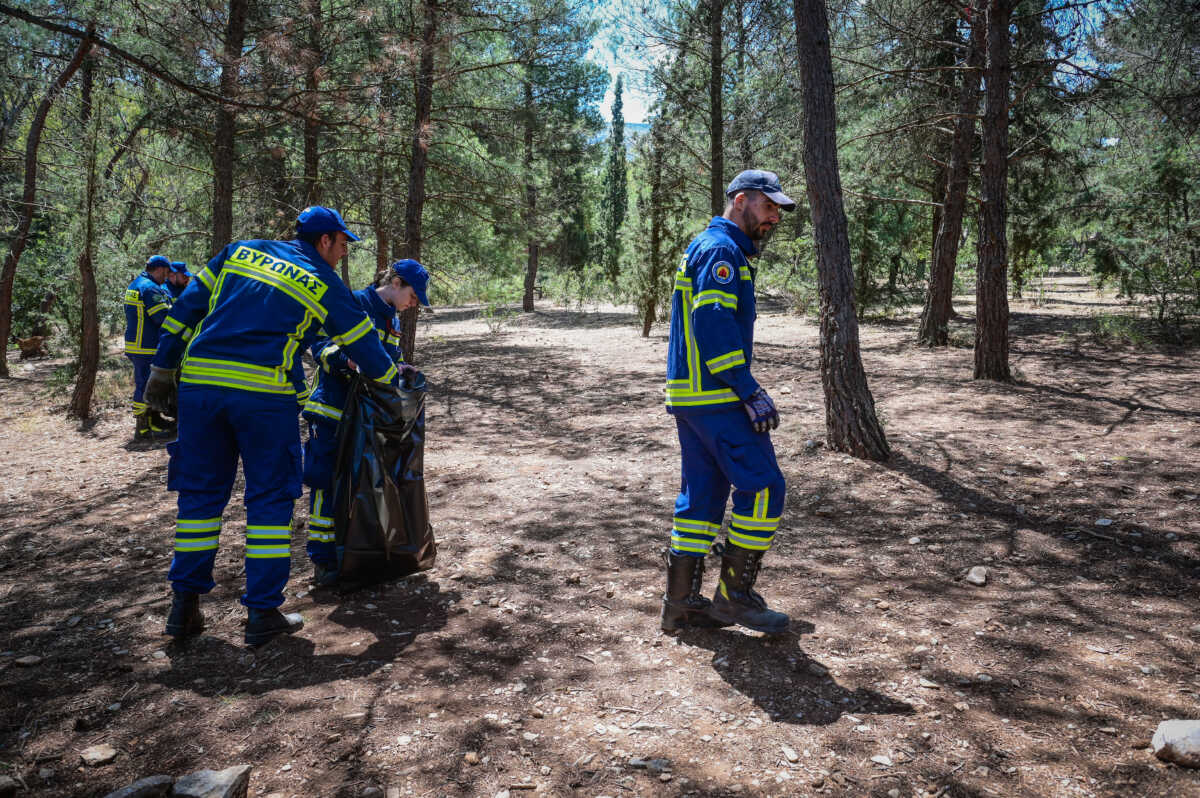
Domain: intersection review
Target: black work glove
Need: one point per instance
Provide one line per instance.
(761, 410)
(161, 391)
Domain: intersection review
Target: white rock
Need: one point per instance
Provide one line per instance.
(28, 661)
(914, 541)
(1178, 741)
(98, 754)
(978, 575)
(790, 754)
(228, 783)
(880, 759)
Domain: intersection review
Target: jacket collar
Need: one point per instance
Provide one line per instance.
(310, 252)
(377, 307)
(733, 231)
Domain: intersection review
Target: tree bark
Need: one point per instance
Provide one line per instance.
(223, 153)
(29, 196)
(716, 118)
(934, 329)
(312, 119)
(422, 133)
(850, 421)
(89, 327)
(650, 302)
(531, 260)
(991, 293)
(378, 221)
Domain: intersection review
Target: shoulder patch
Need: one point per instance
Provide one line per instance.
(723, 272)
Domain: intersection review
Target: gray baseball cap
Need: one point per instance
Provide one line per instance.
(766, 182)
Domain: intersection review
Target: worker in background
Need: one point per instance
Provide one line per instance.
(146, 306)
(178, 278)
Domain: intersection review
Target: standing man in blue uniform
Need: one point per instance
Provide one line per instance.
(178, 278)
(239, 331)
(146, 306)
(723, 417)
(400, 288)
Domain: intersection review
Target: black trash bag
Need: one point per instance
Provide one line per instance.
(381, 513)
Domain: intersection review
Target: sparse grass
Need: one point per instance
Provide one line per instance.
(1112, 328)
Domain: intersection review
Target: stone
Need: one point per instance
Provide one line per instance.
(149, 787)
(790, 754)
(28, 661)
(97, 755)
(929, 685)
(978, 575)
(880, 759)
(653, 765)
(372, 792)
(914, 541)
(1178, 741)
(228, 783)
(1104, 522)
(471, 758)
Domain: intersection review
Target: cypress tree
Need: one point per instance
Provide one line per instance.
(614, 188)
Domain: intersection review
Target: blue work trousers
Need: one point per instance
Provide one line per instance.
(719, 451)
(216, 427)
(141, 373)
(319, 454)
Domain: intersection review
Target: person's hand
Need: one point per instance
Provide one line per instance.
(761, 410)
(160, 391)
(408, 373)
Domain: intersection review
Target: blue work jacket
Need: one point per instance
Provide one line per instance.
(712, 322)
(146, 306)
(246, 317)
(332, 379)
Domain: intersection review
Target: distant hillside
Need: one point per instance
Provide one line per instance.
(632, 131)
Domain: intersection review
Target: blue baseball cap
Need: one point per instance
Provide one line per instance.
(415, 275)
(766, 182)
(318, 219)
(179, 267)
(158, 262)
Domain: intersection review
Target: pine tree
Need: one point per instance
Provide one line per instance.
(615, 188)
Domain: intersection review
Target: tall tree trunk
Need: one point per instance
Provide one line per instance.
(741, 111)
(716, 118)
(89, 328)
(29, 195)
(531, 261)
(378, 220)
(657, 209)
(934, 329)
(223, 153)
(312, 119)
(991, 293)
(422, 133)
(850, 421)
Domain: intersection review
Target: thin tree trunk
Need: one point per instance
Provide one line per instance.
(716, 119)
(741, 111)
(223, 153)
(89, 328)
(991, 293)
(422, 133)
(850, 421)
(378, 223)
(531, 261)
(29, 195)
(656, 224)
(312, 119)
(934, 329)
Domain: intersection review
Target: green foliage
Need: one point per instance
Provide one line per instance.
(616, 196)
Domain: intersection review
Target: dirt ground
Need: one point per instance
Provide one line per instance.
(529, 660)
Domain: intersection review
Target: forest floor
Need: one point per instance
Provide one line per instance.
(529, 660)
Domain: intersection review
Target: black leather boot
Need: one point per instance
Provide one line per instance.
(185, 618)
(736, 601)
(683, 606)
(264, 625)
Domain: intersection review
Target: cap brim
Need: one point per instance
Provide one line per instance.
(421, 297)
(782, 200)
(350, 235)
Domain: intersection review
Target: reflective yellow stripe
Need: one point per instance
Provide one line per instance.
(712, 297)
(206, 277)
(745, 542)
(355, 332)
(677, 397)
(196, 544)
(728, 360)
(744, 273)
(157, 308)
(132, 349)
(173, 326)
(328, 411)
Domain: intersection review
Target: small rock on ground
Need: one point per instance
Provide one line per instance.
(978, 575)
(228, 783)
(96, 755)
(1178, 741)
(149, 787)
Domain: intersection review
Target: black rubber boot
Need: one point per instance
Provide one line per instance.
(159, 423)
(683, 606)
(265, 625)
(324, 574)
(141, 426)
(185, 618)
(735, 600)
